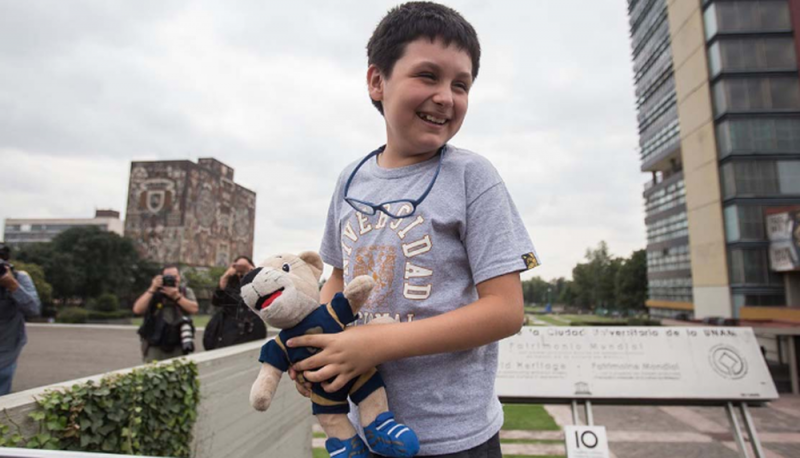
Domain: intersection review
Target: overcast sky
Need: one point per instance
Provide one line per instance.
(277, 91)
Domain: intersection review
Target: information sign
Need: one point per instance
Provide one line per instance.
(669, 363)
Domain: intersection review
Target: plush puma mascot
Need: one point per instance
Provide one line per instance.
(284, 292)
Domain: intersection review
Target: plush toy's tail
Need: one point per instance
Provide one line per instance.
(390, 438)
(353, 447)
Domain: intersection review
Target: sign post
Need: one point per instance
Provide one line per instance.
(676, 365)
(586, 441)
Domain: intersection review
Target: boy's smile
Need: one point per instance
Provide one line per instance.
(424, 100)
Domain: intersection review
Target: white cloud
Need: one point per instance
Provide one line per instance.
(276, 90)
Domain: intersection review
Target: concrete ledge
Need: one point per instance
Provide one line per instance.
(226, 424)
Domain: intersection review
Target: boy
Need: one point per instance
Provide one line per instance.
(435, 227)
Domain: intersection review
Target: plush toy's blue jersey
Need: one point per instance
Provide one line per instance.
(327, 319)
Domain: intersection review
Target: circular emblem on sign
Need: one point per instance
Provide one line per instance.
(727, 362)
(205, 210)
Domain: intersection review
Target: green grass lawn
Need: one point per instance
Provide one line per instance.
(549, 319)
(592, 318)
(568, 320)
(528, 416)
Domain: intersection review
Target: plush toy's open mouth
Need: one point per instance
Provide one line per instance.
(267, 300)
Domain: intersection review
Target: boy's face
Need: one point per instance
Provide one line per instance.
(425, 99)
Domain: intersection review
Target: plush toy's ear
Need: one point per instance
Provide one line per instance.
(314, 261)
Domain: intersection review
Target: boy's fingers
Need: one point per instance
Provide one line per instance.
(303, 389)
(335, 385)
(317, 341)
(321, 375)
(310, 364)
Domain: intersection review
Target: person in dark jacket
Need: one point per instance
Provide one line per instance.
(18, 300)
(233, 323)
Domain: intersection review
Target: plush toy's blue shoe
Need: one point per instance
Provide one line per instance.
(389, 438)
(349, 448)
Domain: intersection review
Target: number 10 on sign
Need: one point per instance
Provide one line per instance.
(586, 441)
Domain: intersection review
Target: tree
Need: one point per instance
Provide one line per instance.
(85, 262)
(203, 282)
(631, 282)
(594, 281)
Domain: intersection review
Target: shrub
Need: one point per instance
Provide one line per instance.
(148, 411)
(104, 316)
(637, 321)
(72, 315)
(104, 303)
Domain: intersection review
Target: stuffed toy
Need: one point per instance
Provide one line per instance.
(284, 292)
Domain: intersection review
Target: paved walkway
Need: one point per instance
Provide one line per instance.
(666, 432)
(60, 352)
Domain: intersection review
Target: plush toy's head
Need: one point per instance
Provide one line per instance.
(284, 289)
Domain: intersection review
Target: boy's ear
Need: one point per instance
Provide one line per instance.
(375, 83)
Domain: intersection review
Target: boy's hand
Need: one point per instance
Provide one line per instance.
(342, 356)
(303, 388)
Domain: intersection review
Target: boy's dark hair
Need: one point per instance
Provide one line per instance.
(409, 21)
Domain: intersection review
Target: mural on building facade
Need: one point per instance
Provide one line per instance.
(187, 213)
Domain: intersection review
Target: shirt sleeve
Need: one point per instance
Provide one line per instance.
(496, 240)
(330, 251)
(26, 297)
(273, 355)
(190, 294)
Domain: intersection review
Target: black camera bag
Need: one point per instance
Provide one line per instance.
(155, 330)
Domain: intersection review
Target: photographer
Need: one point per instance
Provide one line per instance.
(167, 330)
(18, 299)
(234, 323)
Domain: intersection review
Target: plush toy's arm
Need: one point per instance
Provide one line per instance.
(274, 364)
(264, 387)
(358, 290)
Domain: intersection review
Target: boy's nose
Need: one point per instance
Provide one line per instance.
(443, 96)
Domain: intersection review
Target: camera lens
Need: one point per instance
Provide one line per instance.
(187, 336)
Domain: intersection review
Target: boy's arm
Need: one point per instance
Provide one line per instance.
(498, 313)
(334, 284)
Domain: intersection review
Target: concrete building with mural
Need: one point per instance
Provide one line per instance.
(192, 214)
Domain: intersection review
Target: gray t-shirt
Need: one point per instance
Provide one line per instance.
(465, 232)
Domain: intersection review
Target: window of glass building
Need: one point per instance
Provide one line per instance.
(760, 178)
(759, 136)
(742, 54)
(758, 300)
(747, 16)
(744, 223)
(750, 266)
(756, 93)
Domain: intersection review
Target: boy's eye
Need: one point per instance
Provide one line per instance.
(430, 76)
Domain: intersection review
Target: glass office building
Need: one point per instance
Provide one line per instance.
(718, 97)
